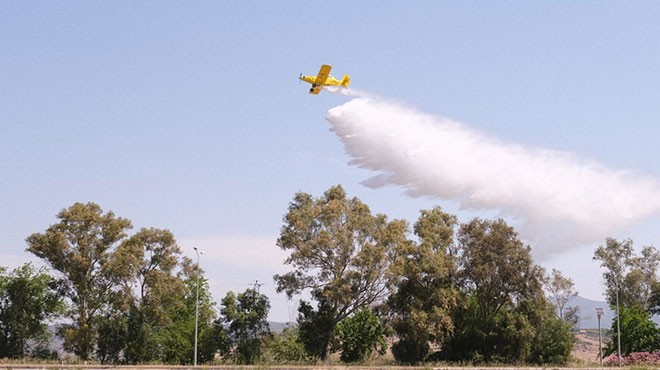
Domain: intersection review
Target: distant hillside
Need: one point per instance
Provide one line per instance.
(278, 327)
(588, 318)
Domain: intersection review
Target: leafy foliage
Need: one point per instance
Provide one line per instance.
(424, 294)
(632, 276)
(410, 350)
(361, 335)
(553, 341)
(505, 317)
(80, 247)
(175, 342)
(28, 301)
(316, 328)
(287, 348)
(131, 299)
(638, 332)
(246, 315)
(561, 290)
(471, 290)
(159, 291)
(339, 251)
(496, 267)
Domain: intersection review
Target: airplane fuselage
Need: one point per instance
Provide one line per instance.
(331, 81)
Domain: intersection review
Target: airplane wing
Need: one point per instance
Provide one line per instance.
(315, 90)
(324, 72)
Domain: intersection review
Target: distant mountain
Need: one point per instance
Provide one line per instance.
(278, 327)
(588, 318)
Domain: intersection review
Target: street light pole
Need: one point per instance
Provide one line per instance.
(198, 252)
(599, 313)
(618, 325)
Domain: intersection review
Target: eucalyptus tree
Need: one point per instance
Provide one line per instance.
(496, 266)
(339, 251)
(424, 294)
(630, 276)
(81, 248)
(146, 299)
(561, 290)
(504, 306)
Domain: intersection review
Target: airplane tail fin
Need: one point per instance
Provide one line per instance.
(346, 80)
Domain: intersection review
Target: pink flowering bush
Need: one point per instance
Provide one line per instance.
(635, 358)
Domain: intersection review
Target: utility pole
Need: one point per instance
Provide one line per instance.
(256, 285)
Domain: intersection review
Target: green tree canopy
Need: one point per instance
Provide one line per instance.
(80, 247)
(361, 334)
(496, 266)
(338, 250)
(146, 300)
(505, 312)
(316, 328)
(175, 341)
(424, 294)
(631, 276)
(638, 332)
(131, 298)
(286, 348)
(246, 315)
(29, 301)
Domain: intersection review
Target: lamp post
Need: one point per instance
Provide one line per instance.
(198, 252)
(599, 313)
(618, 325)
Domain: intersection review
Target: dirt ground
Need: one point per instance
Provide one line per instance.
(586, 348)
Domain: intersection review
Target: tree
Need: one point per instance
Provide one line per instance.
(175, 341)
(339, 251)
(246, 315)
(638, 332)
(287, 348)
(424, 293)
(627, 274)
(503, 298)
(361, 335)
(113, 328)
(316, 328)
(561, 290)
(28, 302)
(214, 341)
(80, 248)
(145, 300)
(157, 290)
(553, 341)
(496, 266)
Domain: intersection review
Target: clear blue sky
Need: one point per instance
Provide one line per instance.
(189, 115)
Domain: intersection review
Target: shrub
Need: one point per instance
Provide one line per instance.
(635, 358)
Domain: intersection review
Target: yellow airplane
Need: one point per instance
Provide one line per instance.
(324, 79)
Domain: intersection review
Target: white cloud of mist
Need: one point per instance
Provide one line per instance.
(559, 199)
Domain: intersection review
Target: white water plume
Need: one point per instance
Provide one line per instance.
(559, 200)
